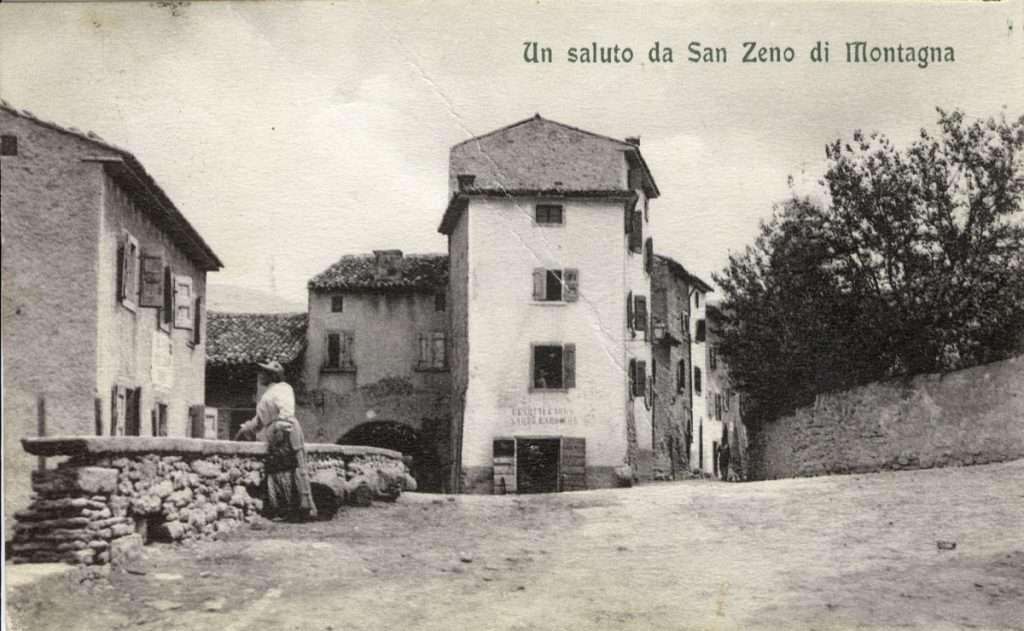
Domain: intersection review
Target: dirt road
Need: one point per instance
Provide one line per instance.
(825, 553)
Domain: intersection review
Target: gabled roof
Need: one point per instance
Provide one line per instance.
(675, 267)
(537, 154)
(129, 172)
(412, 272)
(246, 338)
(543, 158)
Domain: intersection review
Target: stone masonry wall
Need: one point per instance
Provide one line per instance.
(970, 416)
(112, 492)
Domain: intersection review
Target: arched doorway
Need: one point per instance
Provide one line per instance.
(425, 466)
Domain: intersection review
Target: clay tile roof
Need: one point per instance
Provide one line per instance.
(247, 338)
(677, 268)
(411, 272)
(538, 154)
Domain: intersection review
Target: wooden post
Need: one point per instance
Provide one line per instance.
(41, 424)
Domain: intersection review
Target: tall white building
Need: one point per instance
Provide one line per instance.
(707, 428)
(550, 261)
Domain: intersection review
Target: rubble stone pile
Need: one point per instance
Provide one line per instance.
(113, 492)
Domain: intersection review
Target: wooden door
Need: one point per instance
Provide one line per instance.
(572, 465)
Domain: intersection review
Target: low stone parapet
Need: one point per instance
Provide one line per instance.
(113, 492)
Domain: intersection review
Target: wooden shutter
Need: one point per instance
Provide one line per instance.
(571, 281)
(696, 380)
(438, 355)
(629, 310)
(133, 412)
(539, 283)
(129, 262)
(569, 366)
(197, 322)
(649, 255)
(348, 349)
(183, 302)
(424, 351)
(636, 235)
(640, 313)
(197, 418)
(118, 410)
(632, 377)
(572, 465)
(152, 281)
(167, 308)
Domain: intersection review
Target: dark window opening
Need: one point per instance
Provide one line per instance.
(681, 377)
(701, 331)
(696, 380)
(197, 335)
(553, 284)
(337, 304)
(8, 145)
(547, 367)
(549, 214)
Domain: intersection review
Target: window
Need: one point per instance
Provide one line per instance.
(636, 232)
(701, 332)
(556, 285)
(339, 351)
(549, 214)
(128, 272)
(640, 313)
(337, 304)
(8, 145)
(440, 301)
(696, 380)
(681, 376)
(649, 255)
(712, 356)
(696, 299)
(637, 377)
(684, 324)
(183, 302)
(433, 351)
(554, 366)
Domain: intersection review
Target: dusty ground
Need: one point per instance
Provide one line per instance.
(825, 553)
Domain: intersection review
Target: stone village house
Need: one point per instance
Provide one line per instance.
(369, 362)
(104, 295)
(549, 350)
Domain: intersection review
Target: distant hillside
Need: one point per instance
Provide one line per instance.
(235, 299)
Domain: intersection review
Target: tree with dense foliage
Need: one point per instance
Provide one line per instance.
(914, 264)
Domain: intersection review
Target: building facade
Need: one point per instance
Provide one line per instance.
(550, 262)
(104, 320)
(724, 406)
(236, 343)
(672, 286)
(376, 368)
(707, 430)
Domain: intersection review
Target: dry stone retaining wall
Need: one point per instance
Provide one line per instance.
(971, 416)
(98, 505)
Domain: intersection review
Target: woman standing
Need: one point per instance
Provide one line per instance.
(288, 489)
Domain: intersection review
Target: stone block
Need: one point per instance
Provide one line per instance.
(75, 480)
(125, 550)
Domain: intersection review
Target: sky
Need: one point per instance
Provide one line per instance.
(292, 133)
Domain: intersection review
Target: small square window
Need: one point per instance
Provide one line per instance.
(549, 214)
(8, 145)
(337, 304)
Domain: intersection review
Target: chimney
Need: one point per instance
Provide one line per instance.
(633, 140)
(387, 263)
(466, 181)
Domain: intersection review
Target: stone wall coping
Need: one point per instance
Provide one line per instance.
(127, 445)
